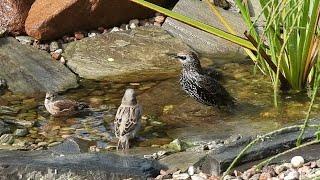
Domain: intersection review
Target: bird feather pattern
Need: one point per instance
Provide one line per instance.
(126, 120)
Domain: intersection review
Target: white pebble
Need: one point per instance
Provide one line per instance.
(62, 60)
(92, 33)
(191, 170)
(197, 177)
(297, 161)
(110, 59)
(124, 27)
(181, 176)
(115, 29)
(132, 26)
(134, 21)
(293, 175)
(58, 51)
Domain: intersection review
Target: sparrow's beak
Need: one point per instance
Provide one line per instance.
(174, 55)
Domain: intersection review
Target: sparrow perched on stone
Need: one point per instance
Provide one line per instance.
(127, 121)
(63, 107)
(199, 85)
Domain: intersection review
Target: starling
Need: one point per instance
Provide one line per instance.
(127, 121)
(199, 85)
(63, 107)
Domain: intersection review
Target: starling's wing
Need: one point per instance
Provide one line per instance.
(64, 105)
(212, 90)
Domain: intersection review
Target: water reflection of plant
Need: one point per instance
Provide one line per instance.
(287, 49)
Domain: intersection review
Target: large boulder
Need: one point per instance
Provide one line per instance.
(29, 70)
(125, 56)
(49, 19)
(13, 14)
(201, 41)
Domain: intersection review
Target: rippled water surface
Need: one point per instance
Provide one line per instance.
(168, 112)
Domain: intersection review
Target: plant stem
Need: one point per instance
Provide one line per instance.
(305, 124)
(197, 24)
(285, 152)
(284, 82)
(261, 138)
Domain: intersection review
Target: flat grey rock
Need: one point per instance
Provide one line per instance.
(134, 55)
(182, 160)
(29, 70)
(66, 161)
(201, 41)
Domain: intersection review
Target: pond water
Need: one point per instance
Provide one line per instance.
(168, 112)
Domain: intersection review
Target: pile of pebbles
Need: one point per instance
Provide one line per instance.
(296, 169)
(55, 47)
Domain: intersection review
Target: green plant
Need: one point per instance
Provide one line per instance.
(288, 46)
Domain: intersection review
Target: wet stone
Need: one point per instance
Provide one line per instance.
(6, 139)
(4, 128)
(2, 31)
(54, 45)
(20, 132)
(25, 39)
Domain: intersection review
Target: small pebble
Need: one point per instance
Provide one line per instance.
(197, 177)
(114, 29)
(255, 177)
(133, 23)
(124, 27)
(2, 31)
(20, 132)
(181, 176)
(62, 60)
(292, 175)
(6, 139)
(297, 161)
(44, 47)
(156, 24)
(79, 35)
(54, 144)
(25, 39)
(159, 19)
(93, 33)
(191, 170)
(318, 163)
(54, 45)
(42, 144)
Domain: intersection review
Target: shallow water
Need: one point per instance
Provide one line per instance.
(168, 112)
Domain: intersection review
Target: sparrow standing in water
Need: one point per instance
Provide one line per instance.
(127, 121)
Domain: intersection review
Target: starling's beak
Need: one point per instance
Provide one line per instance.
(174, 55)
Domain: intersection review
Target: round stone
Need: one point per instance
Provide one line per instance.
(191, 170)
(54, 45)
(292, 175)
(20, 132)
(297, 161)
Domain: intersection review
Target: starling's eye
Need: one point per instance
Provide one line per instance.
(182, 57)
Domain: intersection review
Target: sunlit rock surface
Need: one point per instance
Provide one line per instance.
(136, 55)
(201, 41)
(28, 70)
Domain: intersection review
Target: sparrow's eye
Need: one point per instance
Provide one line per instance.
(182, 57)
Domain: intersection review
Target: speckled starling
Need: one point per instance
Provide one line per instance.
(199, 85)
(127, 121)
